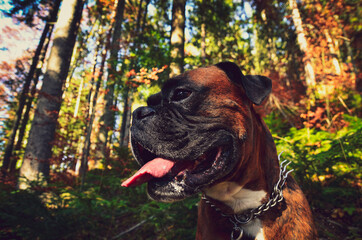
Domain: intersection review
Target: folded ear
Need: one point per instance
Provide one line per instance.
(256, 87)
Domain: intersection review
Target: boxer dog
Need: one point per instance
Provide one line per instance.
(202, 134)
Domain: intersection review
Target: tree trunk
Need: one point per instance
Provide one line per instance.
(107, 120)
(29, 102)
(92, 101)
(358, 81)
(38, 151)
(23, 97)
(203, 43)
(77, 102)
(333, 52)
(87, 143)
(124, 136)
(177, 37)
(127, 96)
(303, 44)
(127, 126)
(145, 16)
(139, 14)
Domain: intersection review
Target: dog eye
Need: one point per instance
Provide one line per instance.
(180, 94)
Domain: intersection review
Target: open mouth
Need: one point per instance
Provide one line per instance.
(159, 169)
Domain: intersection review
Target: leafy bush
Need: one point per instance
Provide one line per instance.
(103, 210)
(327, 166)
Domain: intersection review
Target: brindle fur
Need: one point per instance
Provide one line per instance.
(225, 101)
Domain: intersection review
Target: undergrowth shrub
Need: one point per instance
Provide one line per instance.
(102, 210)
(327, 165)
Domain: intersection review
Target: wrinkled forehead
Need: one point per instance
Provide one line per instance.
(208, 76)
(211, 77)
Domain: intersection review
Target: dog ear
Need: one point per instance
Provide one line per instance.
(256, 87)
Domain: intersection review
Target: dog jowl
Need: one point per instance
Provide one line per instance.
(202, 134)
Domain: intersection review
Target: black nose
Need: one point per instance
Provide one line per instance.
(143, 112)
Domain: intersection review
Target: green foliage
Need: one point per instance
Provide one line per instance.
(327, 165)
(19, 221)
(103, 210)
(143, 92)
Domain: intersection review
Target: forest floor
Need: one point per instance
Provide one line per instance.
(337, 229)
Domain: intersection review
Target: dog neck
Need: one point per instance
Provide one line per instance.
(234, 196)
(251, 186)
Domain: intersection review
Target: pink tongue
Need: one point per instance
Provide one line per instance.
(156, 168)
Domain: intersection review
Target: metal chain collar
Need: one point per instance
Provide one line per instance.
(241, 219)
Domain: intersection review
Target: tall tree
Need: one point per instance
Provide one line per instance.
(92, 106)
(29, 102)
(39, 147)
(333, 52)
(127, 93)
(27, 82)
(107, 120)
(303, 44)
(177, 37)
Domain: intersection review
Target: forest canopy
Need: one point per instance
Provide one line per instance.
(73, 71)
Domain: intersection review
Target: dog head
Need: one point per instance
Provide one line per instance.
(189, 134)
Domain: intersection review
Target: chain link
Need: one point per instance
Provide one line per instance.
(277, 194)
(275, 198)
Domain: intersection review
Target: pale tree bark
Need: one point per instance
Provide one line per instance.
(92, 109)
(358, 81)
(24, 95)
(347, 43)
(38, 151)
(107, 119)
(126, 119)
(177, 37)
(203, 43)
(256, 51)
(28, 107)
(77, 102)
(303, 44)
(203, 7)
(333, 52)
